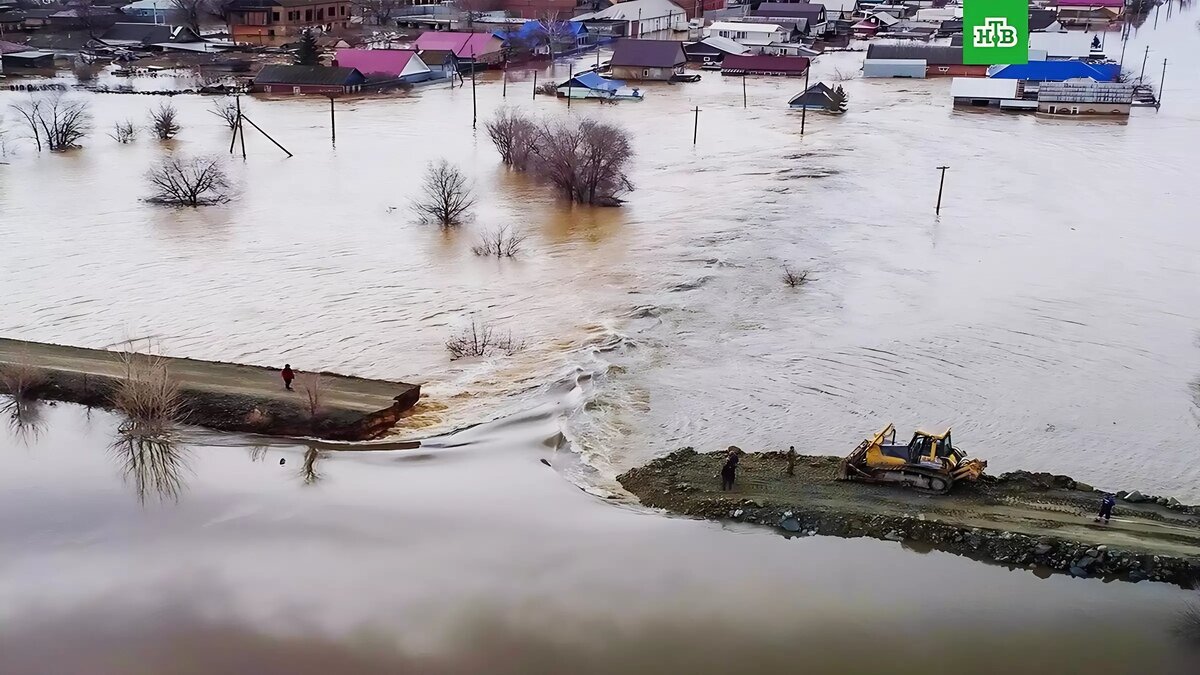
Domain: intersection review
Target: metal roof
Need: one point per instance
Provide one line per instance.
(746, 26)
(724, 44)
(1086, 91)
(979, 87)
(762, 63)
(934, 55)
(647, 53)
(1056, 71)
(385, 61)
(308, 75)
(1069, 45)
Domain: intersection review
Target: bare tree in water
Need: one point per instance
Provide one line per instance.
(164, 121)
(54, 121)
(584, 159)
(446, 198)
(514, 135)
(189, 12)
(227, 110)
(181, 181)
(502, 242)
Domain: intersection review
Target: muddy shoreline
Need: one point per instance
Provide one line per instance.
(1042, 522)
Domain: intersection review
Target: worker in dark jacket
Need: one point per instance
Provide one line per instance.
(288, 375)
(729, 470)
(1106, 507)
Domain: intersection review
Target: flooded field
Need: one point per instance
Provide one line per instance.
(1051, 315)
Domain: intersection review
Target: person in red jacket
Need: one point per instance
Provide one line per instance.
(288, 375)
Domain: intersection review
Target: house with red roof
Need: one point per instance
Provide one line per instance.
(484, 49)
(404, 65)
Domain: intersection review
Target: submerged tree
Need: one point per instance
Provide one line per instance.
(838, 100)
(163, 121)
(181, 181)
(123, 132)
(227, 110)
(446, 198)
(309, 52)
(502, 242)
(514, 135)
(55, 122)
(584, 159)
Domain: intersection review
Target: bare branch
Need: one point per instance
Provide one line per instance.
(163, 121)
(502, 242)
(793, 278)
(123, 132)
(226, 110)
(54, 121)
(180, 181)
(480, 339)
(446, 198)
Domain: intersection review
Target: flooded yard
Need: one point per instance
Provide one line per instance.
(1051, 314)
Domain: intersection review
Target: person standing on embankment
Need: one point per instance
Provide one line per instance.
(288, 375)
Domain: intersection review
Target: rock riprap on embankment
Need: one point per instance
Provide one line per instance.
(1019, 519)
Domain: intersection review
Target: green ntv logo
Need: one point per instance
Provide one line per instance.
(995, 32)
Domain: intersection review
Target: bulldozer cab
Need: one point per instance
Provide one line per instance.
(926, 446)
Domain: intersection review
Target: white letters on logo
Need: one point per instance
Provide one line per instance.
(995, 32)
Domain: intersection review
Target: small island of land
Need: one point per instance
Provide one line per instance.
(1020, 519)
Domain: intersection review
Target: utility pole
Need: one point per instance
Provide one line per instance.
(504, 89)
(242, 129)
(1146, 56)
(743, 89)
(332, 123)
(474, 107)
(570, 76)
(1124, 42)
(1158, 99)
(804, 108)
(696, 126)
(938, 209)
(535, 85)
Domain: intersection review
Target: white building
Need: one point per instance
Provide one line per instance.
(642, 17)
(1064, 45)
(747, 33)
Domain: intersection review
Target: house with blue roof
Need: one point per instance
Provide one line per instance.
(1056, 71)
(591, 85)
(542, 38)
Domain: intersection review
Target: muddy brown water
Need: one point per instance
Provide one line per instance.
(1050, 315)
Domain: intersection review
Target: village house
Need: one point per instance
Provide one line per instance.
(1060, 45)
(712, 49)
(871, 24)
(636, 18)
(647, 59)
(442, 62)
(149, 36)
(1085, 97)
(1092, 13)
(470, 49)
(276, 23)
(1056, 71)
(977, 92)
(762, 64)
(939, 60)
(151, 10)
(811, 17)
(747, 33)
(402, 65)
(1044, 20)
(307, 80)
(817, 97)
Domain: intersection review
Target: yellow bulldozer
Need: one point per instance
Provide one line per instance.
(929, 462)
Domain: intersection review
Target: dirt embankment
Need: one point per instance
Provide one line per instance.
(1019, 519)
(225, 396)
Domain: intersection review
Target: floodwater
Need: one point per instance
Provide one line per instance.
(1050, 314)
(472, 556)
